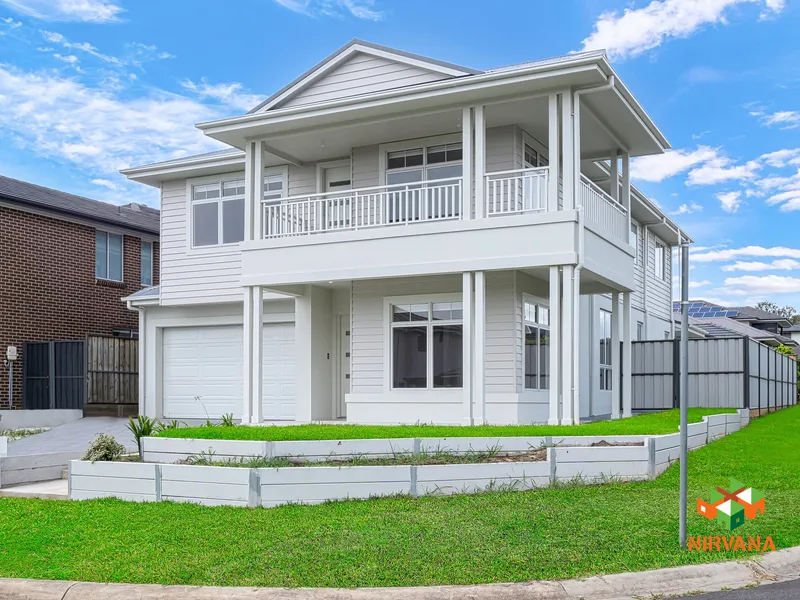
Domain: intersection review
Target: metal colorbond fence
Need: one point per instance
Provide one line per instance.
(723, 373)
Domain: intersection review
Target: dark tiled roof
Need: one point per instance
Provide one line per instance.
(725, 327)
(130, 216)
(750, 312)
(792, 329)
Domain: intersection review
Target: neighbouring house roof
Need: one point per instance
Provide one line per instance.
(726, 327)
(702, 309)
(747, 313)
(133, 216)
(148, 295)
(792, 329)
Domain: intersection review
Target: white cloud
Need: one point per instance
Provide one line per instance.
(636, 31)
(720, 169)
(783, 264)
(56, 38)
(785, 119)
(88, 11)
(69, 59)
(662, 166)
(361, 9)
(229, 94)
(693, 285)
(687, 209)
(768, 284)
(782, 158)
(747, 251)
(106, 183)
(9, 25)
(99, 130)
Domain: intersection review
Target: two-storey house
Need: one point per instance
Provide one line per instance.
(391, 238)
(65, 263)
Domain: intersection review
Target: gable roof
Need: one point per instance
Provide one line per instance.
(131, 216)
(726, 327)
(756, 314)
(345, 52)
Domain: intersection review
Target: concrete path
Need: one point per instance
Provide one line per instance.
(781, 566)
(73, 437)
(778, 591)
(48, 490)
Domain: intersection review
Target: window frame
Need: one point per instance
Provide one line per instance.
(660, 262)
(639, 330)
(606, 368)
(539, 303)
(108, 261)
(634, 239)
(282, 170)
(390, 326)
(141, 262)
(424, 144)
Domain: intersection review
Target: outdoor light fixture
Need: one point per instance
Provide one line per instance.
(11, 356)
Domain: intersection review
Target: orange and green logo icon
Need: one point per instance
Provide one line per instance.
(731, 508)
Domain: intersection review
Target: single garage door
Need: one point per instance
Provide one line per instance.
(203, 371)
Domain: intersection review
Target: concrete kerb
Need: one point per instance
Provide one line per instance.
(783, 565)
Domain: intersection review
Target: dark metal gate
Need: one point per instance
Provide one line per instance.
(54, 375)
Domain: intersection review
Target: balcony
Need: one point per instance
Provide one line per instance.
(506, 193)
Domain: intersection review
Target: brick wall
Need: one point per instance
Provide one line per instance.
(48, 289)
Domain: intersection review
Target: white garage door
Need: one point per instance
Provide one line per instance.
(203, 372)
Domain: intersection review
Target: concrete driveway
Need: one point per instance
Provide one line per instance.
(73, 437)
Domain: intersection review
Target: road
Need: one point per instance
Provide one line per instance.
(789, 590)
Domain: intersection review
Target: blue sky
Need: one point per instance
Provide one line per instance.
(91, 86)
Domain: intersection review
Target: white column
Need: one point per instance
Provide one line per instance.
(576, 346)
(313, 347)
(555, 339)
(247, 352)
(627, 348)
(258, 187)
(142, 365)
(256, 354)
(553, 153)
(250, 151)
(567, 156)
(615, 391)
(467, 159)
(480, 163)
(566, 345)
(626, 188)
(479, 350)
(576, 146)
(614, 186)
(468, 305)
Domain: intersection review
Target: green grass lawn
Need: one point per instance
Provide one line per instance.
(511, 536)
(653, 423)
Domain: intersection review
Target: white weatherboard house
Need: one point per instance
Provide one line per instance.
(391, 238)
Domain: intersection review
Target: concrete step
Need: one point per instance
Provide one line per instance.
(65, 474)
(49, 490)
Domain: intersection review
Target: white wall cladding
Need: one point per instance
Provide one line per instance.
(362, 74)
(659, 291)
(574, 460)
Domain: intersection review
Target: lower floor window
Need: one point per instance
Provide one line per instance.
(427, 345)
(605, 350)
(537, 346)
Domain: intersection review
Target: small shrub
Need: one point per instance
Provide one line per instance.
(104, 448)
(141, 427)
(227, 420)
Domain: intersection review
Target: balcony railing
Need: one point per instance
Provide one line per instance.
(602, 211)
(516, 191)
(379, 206)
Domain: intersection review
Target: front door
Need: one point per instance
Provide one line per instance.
(339, 203)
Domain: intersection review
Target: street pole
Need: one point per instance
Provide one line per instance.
(684, 385)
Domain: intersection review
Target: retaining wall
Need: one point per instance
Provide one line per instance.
(34, 419)
(3, 445)
(566, 461)
(19, 470)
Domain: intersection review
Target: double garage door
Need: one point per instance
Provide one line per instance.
(203, 371)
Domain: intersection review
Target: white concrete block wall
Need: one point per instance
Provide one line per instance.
(591, 464)
(172, 450)
(18, 470)
(127, 481)
(3, 446)
(210, 486)
(34, 419)
(325, 449)
(467, 479)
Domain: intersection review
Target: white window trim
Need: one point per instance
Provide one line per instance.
(605, 367)
(384, 149)
(388, 302)
(122, 256)
(541, 150)
(544, 303)
(635, 225)
(230, 248)
(142, 243)
(663, 275)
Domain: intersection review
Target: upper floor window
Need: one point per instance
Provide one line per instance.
(537, 346)
(660, 261)
(605, 350)
(429, 163)
(273, 187)
(218, 213)
(634, 240)
(639, 331)
(533, 158)
(147, 263)
(427, 345)
(108, 256)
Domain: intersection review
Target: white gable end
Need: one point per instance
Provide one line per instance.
(361, 73)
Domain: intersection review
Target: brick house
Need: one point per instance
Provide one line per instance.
(65, 263)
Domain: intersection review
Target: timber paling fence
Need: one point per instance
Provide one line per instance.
(734, 372)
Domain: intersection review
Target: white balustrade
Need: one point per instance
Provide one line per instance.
(379, 206)
(516, 191)
(601, 211)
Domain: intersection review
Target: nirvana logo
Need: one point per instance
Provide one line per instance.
(731, 508)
